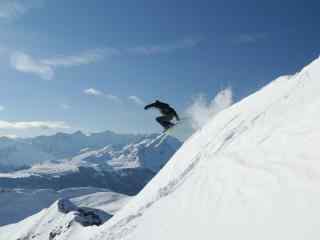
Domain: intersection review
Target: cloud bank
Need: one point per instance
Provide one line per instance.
(202, 110)
(33, 125)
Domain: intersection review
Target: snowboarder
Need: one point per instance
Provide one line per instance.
(168, 113)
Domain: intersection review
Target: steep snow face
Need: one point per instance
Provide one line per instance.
(252, 172)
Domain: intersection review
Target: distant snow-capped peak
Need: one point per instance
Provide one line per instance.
(16, 153)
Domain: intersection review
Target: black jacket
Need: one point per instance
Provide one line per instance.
(164, 108)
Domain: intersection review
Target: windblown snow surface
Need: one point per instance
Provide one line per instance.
(252, 172)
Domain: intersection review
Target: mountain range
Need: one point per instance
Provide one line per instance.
(21, 153)
(124, 164)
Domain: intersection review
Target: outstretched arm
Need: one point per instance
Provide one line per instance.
(149, 106)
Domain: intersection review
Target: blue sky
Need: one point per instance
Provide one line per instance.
(91, 65)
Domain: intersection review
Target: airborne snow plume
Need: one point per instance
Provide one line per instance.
(201, 110)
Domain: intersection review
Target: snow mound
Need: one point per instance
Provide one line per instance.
(84, 216)
(65, 217)
(252, 172)
(109, 202)
(17, 204)
(59, 220)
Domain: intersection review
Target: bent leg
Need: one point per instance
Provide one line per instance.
(164, 121)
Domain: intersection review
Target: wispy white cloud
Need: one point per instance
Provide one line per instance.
(112, 97)
(65, 106)
(33, 124)
(202, 110)
(247, 38)
(23, 62)
(136, 100)
(2, 108)
(98, 93)
(45, 68)
(92, 92)
(10, 9)
(87, 57)
(164, 48)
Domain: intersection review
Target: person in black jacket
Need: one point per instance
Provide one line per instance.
(168, 113)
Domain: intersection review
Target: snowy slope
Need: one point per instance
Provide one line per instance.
(17, 204)
(252, 172)
(66, 217)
